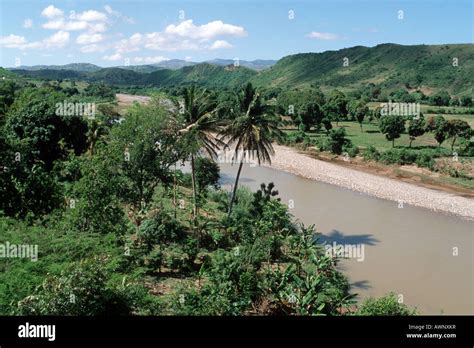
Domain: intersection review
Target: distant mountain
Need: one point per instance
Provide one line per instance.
(390, 66)
(148, 68)
(172, 64)
(51, 74)
(201, 74)
(258, 64)
(429, 67)
(81, 67)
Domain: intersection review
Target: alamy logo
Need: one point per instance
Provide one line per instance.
(400, 109)
(348, 251)
(75, 109)
(37, 331)
(245, 156)
(21, 251)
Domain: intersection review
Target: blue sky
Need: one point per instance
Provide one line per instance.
(110, 33)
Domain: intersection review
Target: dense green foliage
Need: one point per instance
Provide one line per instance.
(120, 230)
(396, 65)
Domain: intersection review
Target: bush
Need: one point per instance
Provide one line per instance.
(82, 290)
(371, 154)
(351, 151)
(159, 230)
(386, 305)
(336, 141)
(425, 160)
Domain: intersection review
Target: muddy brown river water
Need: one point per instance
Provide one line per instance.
(426, 257)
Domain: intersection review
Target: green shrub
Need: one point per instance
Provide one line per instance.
(82, 290)
(371, 154)
(352, 150)
(386, 305)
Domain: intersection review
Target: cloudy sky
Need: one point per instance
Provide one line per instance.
(109, 33)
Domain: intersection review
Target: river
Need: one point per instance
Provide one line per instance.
(426, 258)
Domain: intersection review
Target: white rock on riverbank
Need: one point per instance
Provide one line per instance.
(289, 160)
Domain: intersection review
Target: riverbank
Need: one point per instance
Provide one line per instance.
(290, 160)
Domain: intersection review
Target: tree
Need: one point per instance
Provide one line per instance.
(416, 127)
(252, 131)
(207, 173)
(336, 107)
(439, 127)
(144, 148)
(7, 97)
(200, 126)
(440, 99)
(458, 128)
(466, 101)
(358, 110)
(327, 124)
(311, 116)
(392, 127)
(96, 132)
(94, 202)
(33, 118)
(27, 187)
(298, 98)
(337, 140)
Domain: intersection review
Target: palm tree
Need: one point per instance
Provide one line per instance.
(200, 127)
(251, 132)
(96, 131)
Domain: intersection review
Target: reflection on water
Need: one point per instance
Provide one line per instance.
(408, 251)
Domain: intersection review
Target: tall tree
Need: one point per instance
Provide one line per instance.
(200, 128)
(439, 127)
(458, 128)
(392, 127)
(252, 131)
(357, 110)
(416, 128)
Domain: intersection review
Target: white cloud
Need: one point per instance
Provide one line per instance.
(12, 41)
(207, 31)
(91, 16)
(131, 44)
(113, 57)
(117, 14)
(93, 48)
(324, 36)
(108, 9)
(58, 39)
(97, 27)
(184, 36)
(61, 24)
(163, 42)
(27, 23)
(86, 39)
(150, 60)
(51, 12)
(220, 44)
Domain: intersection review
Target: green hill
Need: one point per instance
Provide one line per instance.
(81, 67)
(201, 74)
(388, 65)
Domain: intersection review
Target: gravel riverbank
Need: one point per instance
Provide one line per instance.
(289, 160)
